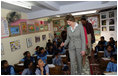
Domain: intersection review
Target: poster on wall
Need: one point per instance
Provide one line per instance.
(23, 27)
(56, 22)
(41, 28)
(55, 28)
(103, 22)
(104, 29)
(14, 30)
(15, 45)
(37, 39)
(103, 16)
(31, 28)
(111, 14)
(97, 32)
(29, 42)
(43, 37)
(111, 28)
(37, 26)
(2, 49)
(94, 21)
(4, 28)
(62, 22)
(111, 22)
(50, 35)
(46, 28)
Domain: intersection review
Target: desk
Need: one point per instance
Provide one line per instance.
(19, 68)
(100, 54)
(103, 64)
(110, 73)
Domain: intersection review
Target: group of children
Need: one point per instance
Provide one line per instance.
(38, 66)
(110, 51)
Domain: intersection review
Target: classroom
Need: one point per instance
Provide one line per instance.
(58, 37)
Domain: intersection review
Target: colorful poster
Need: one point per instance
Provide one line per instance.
(29, 42)
(62, 22)
(55, 28)
(23, 27)
(31, 28)
(41, 28)
(37, 39)
(15, 45)
(37, 26)
(14, 30)
(94, 21)
(56, 22)
(2, 49)
(46, 28)
(43, 37)
(4, 28)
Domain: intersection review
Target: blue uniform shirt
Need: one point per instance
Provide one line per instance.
(111, 67)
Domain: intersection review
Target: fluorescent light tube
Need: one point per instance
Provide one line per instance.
(82, 13)
(20, 4)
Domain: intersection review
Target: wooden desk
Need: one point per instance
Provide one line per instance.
(110, 73)
(100, 54)
(18, 68)
(103, 63)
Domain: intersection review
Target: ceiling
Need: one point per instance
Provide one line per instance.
(37, 5)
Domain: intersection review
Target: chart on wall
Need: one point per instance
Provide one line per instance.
(37, 39)
(4, 28)
(94, 21)
(15, 45)
(29, 42)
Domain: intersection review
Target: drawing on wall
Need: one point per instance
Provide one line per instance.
(37, 26)
(103, 16)
(56, 22)
(37, 39)
(4, 28)
(31, 28)
(103, 22)
(62, 22)
(29, 42)
(55, 28)
(50, 35)
(46, 28)
(111, 28)
(23, 27)
(2, 49)
(41, 28)
(111, 14)
(97, 32)
(94, 21)
(104, 29)
(111, 22)
(43, 37)
(14, 30)
(15, 45)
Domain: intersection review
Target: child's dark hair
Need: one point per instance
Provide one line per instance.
(37, 61)
(102, 37)
(27, 63)
(55, 54)
(84, 18)
(37, 47)
(109, 45)
(25, 53)
(3, 62)
(114, 56)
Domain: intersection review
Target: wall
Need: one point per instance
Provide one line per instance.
(14, 57)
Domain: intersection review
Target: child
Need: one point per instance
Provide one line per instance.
(60, 49)
(102, 41)
(37, 50)
(57, 61)
(42, 55)
(42, 69)
(28, 65)
(115, 48)
(111, 42)
(6, 69)
(109, 51)
(28, 56)
(54, 45)
(112, 66)
(48, 44)
(50, 50)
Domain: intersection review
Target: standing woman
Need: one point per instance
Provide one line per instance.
(76, 41)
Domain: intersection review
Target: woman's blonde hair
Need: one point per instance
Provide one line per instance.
(70, 18)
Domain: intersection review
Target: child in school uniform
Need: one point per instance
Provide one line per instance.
(50, 50)
(112, 65)
(60, 49)
(42, 55)
(28, 65)
(58, 61)
(28, 56)
(37, 50)
(109, 51)
(7, 69)
(42, 68)
(115, 48)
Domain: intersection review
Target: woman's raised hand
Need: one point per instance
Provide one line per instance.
(62, 44)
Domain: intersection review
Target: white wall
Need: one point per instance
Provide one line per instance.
(14, 57)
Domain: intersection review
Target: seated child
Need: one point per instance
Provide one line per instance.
(61, 50)
(102, 41)
(50, 50)
(28, 65)
(6, 69)
(109, 51)
(42, 69)
(37, 50)
(111, 41)
(58, 61)
(112, 65)
(28, 56)
(49, 43)
(42, 55)
(115, 48)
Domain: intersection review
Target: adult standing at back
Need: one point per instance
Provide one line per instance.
(90, 33)
(76, 41)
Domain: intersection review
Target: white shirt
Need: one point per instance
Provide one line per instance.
(74, 27)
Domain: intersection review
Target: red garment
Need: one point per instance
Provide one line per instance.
(85, 32)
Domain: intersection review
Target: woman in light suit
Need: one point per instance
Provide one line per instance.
(76, 41)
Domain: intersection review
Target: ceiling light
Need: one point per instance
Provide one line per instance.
(19, 3)
(57, 15)
(82, 13)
